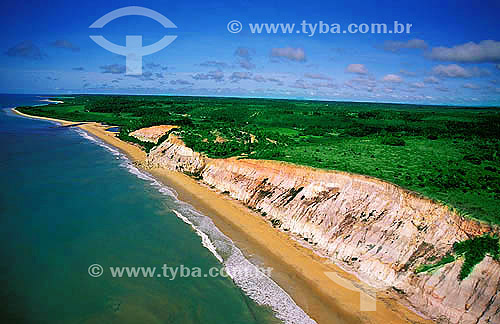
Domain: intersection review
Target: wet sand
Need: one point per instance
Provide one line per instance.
(296, 268)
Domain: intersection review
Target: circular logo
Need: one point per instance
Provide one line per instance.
(96, 270)
(234, 26)
(133, 49)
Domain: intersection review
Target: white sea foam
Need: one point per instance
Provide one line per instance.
(205, 240)
(146, 176)
(258, 286)
(85, 135)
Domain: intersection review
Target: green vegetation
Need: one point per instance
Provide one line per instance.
(473, 251)
(449, 154)
(432, 267)
(147, 146)
(390, 139)
(124, 136)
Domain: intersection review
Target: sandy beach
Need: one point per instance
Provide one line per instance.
(52, 101)
(297, 269)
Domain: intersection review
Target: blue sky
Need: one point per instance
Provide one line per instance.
(451, 55)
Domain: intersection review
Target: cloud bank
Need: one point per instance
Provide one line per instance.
(393, 46)
(356, 68)
(289, 53)
(25, 49)
(486, 51)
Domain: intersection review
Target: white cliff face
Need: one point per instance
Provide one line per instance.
(373, 228)
(152, 134)
(172, 154)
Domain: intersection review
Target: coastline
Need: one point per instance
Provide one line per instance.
(297, 269)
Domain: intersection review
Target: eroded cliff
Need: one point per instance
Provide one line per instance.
(370, 227)
(152, 134)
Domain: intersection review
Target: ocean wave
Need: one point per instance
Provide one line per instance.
(111, 149)
(255, 284)
(147, 177)
(205, 240)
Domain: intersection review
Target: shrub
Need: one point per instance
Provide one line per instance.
(472, 158)
(430, 267)
(393, 140)
(474, 251)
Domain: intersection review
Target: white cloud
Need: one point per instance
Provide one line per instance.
(471, 86)
(356, 68)
(317, 76)
(244, 52)
(483, 52)
(292, 54)
(325, 85)
(113, 68)
(442, 89)
(451, 71)
(407, 73)
(431, 79)
(237, 76)
(216, 64)
(26, 49)
(212, 75)
(392, 78)
(392, 46)
(259, 78)
(301, 84)
(417, 85)
(246, 64)
(180, 82)
(275, 80)
(361, 84)
(62, 43)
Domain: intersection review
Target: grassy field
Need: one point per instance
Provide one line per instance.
(450, 154)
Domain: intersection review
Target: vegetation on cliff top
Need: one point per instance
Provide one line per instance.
(446, 153)
(124, 135)
(473, 251)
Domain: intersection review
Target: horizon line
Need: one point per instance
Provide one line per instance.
(257, 97)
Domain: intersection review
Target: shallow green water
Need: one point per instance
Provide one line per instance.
(68, 202)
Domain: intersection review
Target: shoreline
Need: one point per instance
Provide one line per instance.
(297, 269)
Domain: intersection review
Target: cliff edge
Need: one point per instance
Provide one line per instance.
(370, 227)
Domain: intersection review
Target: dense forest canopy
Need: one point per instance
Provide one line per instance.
(446, 153)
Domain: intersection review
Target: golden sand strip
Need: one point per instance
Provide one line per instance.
(296, 268)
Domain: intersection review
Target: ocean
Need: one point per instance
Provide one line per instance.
(70, 201)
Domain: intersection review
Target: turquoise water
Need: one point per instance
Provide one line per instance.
(69, 201)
